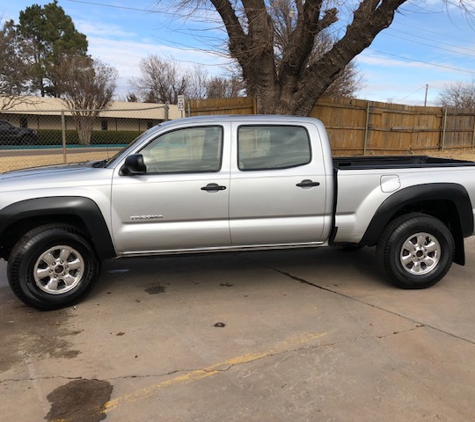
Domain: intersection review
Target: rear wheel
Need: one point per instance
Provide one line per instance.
(416, 251)
(52, 266)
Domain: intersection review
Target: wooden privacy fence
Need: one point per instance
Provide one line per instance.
(238, 105)
(360, 127)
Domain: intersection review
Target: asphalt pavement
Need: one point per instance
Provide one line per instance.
(310, 335)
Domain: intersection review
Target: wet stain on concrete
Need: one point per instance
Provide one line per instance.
(27, 333)
(79, 401)
(155, 289)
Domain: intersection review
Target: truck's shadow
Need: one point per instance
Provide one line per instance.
(324, 267)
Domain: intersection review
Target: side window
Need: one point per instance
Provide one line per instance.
(272, 147)
(190, 150)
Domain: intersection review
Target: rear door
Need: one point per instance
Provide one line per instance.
(181, 203)
(278, 190)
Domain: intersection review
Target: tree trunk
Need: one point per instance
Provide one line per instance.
(292, 83)
(84, 126)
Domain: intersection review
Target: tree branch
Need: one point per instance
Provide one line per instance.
(370, 18)
(237, 37)
(302, 40)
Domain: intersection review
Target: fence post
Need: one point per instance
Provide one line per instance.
(63, 129)
(366, 130)
(473, 136)
(444, 123)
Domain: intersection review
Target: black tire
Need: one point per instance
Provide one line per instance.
(416, 251)
(52, 267)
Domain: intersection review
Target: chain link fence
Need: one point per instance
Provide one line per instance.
(38, 136)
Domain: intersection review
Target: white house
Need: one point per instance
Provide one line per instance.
(46, 113)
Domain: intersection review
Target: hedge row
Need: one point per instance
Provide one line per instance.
(98, 137)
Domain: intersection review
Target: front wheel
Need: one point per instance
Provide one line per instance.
(416, 251)
(52, 266)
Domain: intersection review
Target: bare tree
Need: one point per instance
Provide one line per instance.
(88, 86)
(223, 87)
(160, 80)
(197, 80)
(14, 68)
(290, 79)
(458, 94)
(286, 80)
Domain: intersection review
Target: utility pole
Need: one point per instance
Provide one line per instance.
(425, 99)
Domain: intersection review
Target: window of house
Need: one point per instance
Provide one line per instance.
(104, 124)
(272, 147)
(188, 150)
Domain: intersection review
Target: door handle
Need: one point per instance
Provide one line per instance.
(213, 187)
(307, 183)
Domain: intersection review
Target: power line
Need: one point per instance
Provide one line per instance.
(436, 47)
(151, 11)
(424, 62)
(425, 30)
(412, 93)
(199, 18)
(136, 9)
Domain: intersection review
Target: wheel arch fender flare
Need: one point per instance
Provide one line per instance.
(454, 193)
(73, 206)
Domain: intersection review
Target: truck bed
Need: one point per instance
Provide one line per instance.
(396, 162)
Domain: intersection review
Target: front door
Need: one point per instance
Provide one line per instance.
(181, 202)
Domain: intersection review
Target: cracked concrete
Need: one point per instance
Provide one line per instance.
(308, 335)
(301, 280)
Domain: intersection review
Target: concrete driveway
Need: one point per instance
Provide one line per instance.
(313, 335)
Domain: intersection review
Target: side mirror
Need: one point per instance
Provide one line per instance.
(133, 165)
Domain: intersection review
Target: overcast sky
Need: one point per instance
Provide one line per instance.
(429, 43)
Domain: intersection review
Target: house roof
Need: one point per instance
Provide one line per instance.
(118, 109)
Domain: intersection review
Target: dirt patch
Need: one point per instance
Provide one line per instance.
(155, 289)
(458, 154)
(79, 401)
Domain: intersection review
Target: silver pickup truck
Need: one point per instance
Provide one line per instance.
(230, 183)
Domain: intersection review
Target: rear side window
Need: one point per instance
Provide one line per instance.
(272, 147)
